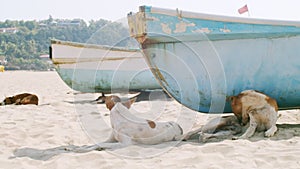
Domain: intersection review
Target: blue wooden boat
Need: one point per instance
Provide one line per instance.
(101, 69)
(201, 59)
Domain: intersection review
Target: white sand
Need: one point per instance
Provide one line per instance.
(36, 136)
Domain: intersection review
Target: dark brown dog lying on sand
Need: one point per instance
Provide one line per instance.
(21, 99)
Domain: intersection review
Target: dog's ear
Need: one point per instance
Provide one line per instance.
(101, 99)
(110, 101)
(7, 100)
(129, 102)
(230, 98)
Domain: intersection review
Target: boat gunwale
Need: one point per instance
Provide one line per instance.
(220, 18)
(92, 46)
(64, 60)
(60, 61)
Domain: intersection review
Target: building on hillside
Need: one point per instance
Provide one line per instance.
(46, 58)
(75, 22)
(8, 30)
(3, 60)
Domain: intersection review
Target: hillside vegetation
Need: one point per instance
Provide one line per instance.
(23, 42)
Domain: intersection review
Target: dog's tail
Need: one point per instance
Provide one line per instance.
(44, 104)
(3, 103)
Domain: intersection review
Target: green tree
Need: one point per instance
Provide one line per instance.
(22, 49)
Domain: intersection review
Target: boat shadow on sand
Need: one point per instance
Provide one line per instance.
(46, 154)
(140, 96)
(285, 132)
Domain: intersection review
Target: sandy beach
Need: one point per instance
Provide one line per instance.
(37, 136)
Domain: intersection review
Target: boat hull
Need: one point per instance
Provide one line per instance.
(201, 70)
(94, 69)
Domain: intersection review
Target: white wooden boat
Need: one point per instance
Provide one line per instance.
(94, 68)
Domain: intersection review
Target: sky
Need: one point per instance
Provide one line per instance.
(115, 10)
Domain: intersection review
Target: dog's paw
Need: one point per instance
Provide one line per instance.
(185, 138)
(99, 149)
(271, 131)
(268, 134)
(238, 138)
(234, 138)
(204, 137)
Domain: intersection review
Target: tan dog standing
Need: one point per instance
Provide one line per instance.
(21, 99)
(256, 108)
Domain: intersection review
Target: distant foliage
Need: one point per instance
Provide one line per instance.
(32, 39)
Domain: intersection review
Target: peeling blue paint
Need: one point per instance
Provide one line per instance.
(235, 30)
(211, 60)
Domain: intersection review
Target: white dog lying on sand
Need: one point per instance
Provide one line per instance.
(129, 129)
